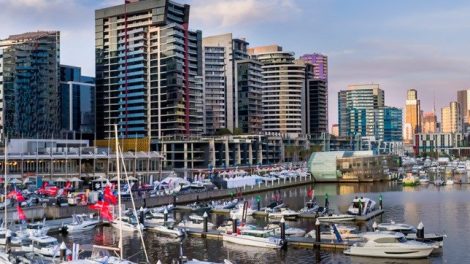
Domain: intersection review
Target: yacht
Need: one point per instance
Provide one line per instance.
(449, 182)
(254, 238)
(44, 245)
(424, 180)
(283, 212)
(237, 212)
(169, 230)
(195, 221)
(81, 223)
(290, 231)
(346, 232)
(127, 223)
(389, 245)
(368, 206)
(396, 227)
(336, 218)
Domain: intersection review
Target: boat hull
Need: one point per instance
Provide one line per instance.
(400, 253)
(250, 241)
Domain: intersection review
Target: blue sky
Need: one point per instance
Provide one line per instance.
(401, 44)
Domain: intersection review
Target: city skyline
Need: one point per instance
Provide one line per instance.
(360, 52)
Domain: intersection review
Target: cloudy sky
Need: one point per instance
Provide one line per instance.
(401, 44)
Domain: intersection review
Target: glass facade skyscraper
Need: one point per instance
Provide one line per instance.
(29, 85)
(148, 70)
(78, 104)
(388, 122)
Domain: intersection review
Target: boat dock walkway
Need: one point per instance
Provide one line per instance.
(299, 242)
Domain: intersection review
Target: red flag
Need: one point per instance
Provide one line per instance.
(106, 214)
(108, 196)
(19, 197)
(21, 214)
(310, 192)
(100, 205)
(68, 185)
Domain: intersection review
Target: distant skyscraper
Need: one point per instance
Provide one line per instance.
(148, 70)
(429, 123)
(357, 109)
(412, 116)
(283, 90)
(320, 63)
(463, 98)
(316, 106)
(221, 53)
(77, 96)
(29, 85)
(450, 118)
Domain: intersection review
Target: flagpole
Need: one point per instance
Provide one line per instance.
(118, 172)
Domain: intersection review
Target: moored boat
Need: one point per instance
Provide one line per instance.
(254, 238)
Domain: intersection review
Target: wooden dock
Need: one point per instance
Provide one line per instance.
(367, 217)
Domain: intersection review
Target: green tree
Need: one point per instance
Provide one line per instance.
(223, 132)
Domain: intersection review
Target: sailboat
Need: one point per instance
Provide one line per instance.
(101, 253)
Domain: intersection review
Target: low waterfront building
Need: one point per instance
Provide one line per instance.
(58, 158)
(437, 142)
(351, 166)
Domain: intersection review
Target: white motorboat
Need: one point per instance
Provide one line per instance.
(347, 233)
(237, 212)
(126, 223)
(169, 230)
(81, 223)
(254, 238)
(3, 235)
(283, 212)
(424, 180)
(439, 182)
(290, 231)
(396, 227)
(225, 205)
(195, 221)
(449, 182)
(389, 245)
(44, 245)
(336, 218)
(311, 207)
(367, 206)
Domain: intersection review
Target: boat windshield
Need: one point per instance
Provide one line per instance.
(48, 244)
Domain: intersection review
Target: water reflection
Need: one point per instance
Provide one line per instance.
(441, 209)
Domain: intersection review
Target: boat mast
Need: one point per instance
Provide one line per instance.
(5, 182)
(118, 171)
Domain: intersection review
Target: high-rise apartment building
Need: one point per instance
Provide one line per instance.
(320, 64)
(357, 109)
(283, 90)
(29, 85)
(77, 97)
(463, 98)
(316, 106)
(412, 116)
(221, 53)
(388, 124)
(429, 123)
(450, 118)
(250, 101)
(148, 70)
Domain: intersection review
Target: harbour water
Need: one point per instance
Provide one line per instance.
(444, 209)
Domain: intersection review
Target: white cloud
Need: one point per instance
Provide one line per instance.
(222, 14)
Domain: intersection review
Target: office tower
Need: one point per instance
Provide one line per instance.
(450, 118)
(77, 97)
(320, 64)
(29, 84)
(429, 123)
(250, 89)
(388, 122)
(356, 107)
(221, 53)
(148, 69)
(335, 130)
(283, 90)
(463, 98)
(412, 116)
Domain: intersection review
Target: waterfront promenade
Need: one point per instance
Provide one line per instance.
(57, 212)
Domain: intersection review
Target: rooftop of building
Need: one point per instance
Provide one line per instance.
(363, 86)
(31, 35)
(264, 49)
